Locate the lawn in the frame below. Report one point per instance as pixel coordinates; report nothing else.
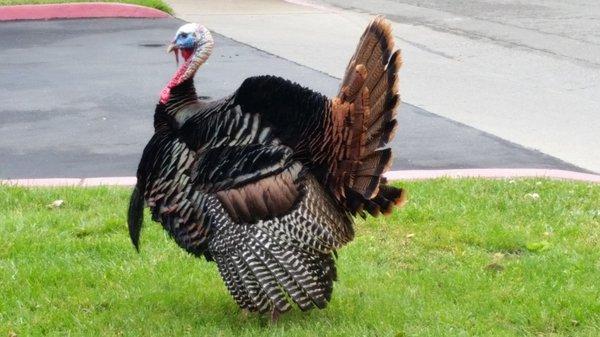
(158, 4)
(463, 258)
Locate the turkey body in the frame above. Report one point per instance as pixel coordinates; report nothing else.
(266, 182)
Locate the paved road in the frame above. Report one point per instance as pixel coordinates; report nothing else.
(525, 71)
(540, 61)
(561, 29)
(78, 97)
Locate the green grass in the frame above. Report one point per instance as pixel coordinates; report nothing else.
(158, 4)
(463, 258)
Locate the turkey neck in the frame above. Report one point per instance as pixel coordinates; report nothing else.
(187, 70)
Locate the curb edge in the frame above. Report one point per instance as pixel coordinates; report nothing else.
(391, 175)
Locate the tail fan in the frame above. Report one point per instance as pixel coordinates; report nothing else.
(364, 121)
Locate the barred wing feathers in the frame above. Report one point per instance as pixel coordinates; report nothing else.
(264, 263)
(245, 202)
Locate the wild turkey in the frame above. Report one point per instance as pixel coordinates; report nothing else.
(266, 182)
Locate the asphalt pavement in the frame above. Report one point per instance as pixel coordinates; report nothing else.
(525, 71)
(77, 100)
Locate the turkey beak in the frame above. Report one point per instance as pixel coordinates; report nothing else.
(173, 48)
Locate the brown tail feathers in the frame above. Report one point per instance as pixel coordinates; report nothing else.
(364, 116)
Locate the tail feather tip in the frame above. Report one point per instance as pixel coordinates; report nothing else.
(402, 198)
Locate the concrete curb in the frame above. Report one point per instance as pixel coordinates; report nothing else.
(392, 175)
(81, 10)
(493, 173)
(75, 182)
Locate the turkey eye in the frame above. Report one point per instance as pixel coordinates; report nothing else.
(183, 35)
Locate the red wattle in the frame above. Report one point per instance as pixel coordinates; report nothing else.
(178, 77)
(175, 81)
(164, 95)
(186, 53)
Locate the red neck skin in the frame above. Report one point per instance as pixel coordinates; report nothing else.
(178, 77)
